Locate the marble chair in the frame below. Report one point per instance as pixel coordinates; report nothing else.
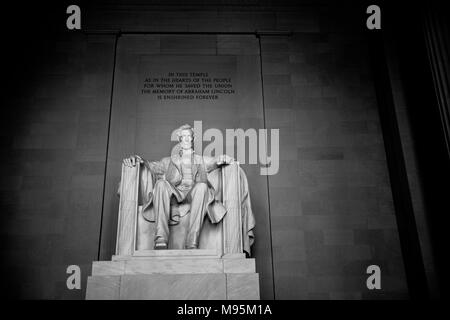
(233, 234)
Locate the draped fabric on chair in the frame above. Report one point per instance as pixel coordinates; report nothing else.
(230, 185)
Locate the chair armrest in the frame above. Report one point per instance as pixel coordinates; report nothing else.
(232, 221)
(128, 208)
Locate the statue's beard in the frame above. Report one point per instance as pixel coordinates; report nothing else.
(185, 146)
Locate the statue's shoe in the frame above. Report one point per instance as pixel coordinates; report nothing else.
(191, 247)
(160, 246)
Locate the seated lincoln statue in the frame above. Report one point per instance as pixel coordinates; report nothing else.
(184, 179)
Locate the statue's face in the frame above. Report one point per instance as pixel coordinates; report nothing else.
(186, 139)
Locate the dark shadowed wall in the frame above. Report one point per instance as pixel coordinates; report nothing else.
(52, 178)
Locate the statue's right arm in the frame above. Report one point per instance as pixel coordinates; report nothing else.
(158, 168)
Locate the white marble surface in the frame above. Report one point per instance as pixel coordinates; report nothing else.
(108, 268)
(175, 275)
(168, 254)
(243, 286)
(173, 266)
(103, 288)
(239, 265)
(173, 287)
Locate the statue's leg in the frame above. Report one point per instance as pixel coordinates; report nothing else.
(199, 200)
(161, 205)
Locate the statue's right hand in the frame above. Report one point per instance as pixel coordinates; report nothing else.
(132, 160)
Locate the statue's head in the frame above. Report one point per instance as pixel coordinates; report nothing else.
(185, 135)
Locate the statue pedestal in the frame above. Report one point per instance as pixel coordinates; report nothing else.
(174, 275)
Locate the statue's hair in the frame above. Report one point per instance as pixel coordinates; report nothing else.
(184, 127)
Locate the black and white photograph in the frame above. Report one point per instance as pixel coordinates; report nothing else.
(241, 152)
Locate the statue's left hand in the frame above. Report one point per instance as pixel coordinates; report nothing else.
(224, 159)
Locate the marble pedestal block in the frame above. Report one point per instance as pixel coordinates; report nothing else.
(174, 275)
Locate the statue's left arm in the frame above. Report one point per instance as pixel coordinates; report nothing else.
(212, 163)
